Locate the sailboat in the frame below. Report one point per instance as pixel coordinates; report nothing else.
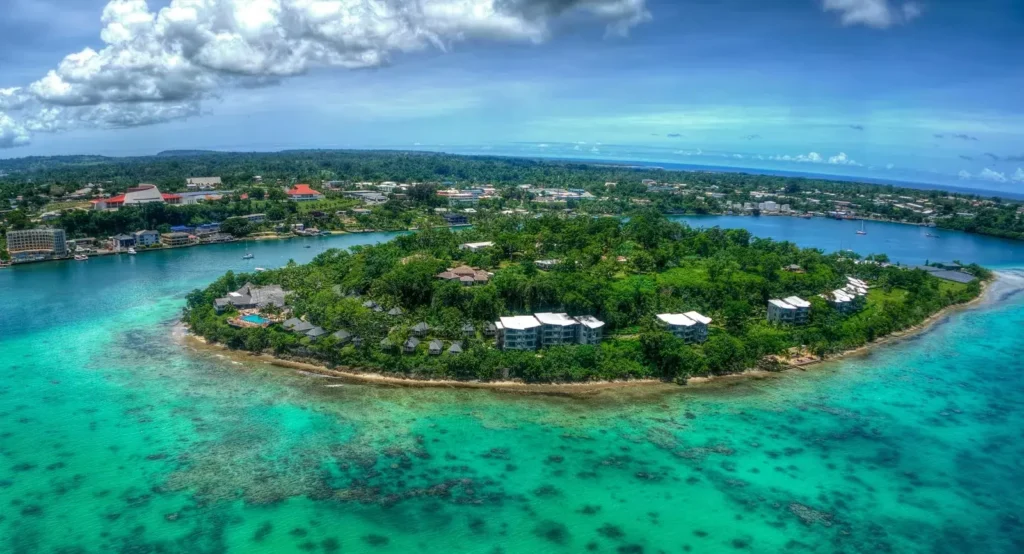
(248, 255)
(862, 231)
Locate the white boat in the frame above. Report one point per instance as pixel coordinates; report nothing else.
(862, 231)
(131, 251)
(81, 257)
(248, 256)
(259, 269)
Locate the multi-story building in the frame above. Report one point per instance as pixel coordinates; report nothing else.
(780, 311)
(146, 238)
(32, 245)
(122, 242)
(136, 196)
(517, 332)
(685, 326)
(175, 239)
(557, 329)
(590, 330)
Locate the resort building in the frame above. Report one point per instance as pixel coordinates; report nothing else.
(176, 239)
(455, 348)
(250, 296)
(546, 265)
(420, 329)
(32, 245)
(793, 310)
(136, 196)
(591, 330)
(435, 347)
(476, 246)
(517, 332)
(557, 329)
(146, 238)
(367, 197)
(303, 193)
(122, 242)
(685, 327)
(466, 275)
(410, 345)
(255, 218)
(456, 219)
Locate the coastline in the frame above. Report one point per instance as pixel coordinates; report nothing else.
(352, 375)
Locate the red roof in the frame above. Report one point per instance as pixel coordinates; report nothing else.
(302, 190)
(169, 196)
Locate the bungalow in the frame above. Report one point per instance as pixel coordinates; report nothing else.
(315, 333)
(146, 238)
(517, 332)
(466, 275)
(468, 329)
(303, 193)
(410, 345)
(435, 348)
(342, 336)
(455, 348)
(490, 330)
(386, 344)
(420, 329)
(395, 312)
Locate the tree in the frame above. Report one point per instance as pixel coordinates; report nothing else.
(236, 226)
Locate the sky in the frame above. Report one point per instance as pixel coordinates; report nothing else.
(908, 90)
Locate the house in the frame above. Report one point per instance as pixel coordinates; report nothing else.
(410, 345)
(146, 238)
(468, 329)
(176, 239)
(136, 196)
(369, 198)
(370, 304)
(386, 344)
(590, 330)
(303, 193)
(490, 330)
(685, 327)
(517, 332)
(122, 242)
(342, 336)
(435, 347)
(557, 329)
(255, 218)
(420, 329)
(476, 246)
(202, 183)
(315, 333)
(546, 265)
(250, 296)
(289, 324)
(455, 348)
(395, 312)
(466, 275)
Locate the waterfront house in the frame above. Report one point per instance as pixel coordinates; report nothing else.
(342, 336)
(476, 246)
(410, 345)
(315, 333)
(455, 348)
(420, 329)
(557, 329)
(435, 347)
(517, 332)
(122, 242)
(590, 330)
(31, 245)
(146, 238)
(176, 239)
(303, 193)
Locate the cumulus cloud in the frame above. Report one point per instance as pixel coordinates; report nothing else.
(816, 158)
(880, 14)
(1018, 176)
(964, 174)
(841, 159)
(11, 133)
(160, 65)
(990, 175)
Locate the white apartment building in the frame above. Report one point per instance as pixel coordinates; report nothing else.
(557, 329)
(685, 326)
(518, 332)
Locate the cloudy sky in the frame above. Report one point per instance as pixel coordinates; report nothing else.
(928, 90)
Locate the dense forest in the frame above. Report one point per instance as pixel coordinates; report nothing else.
(623, 272)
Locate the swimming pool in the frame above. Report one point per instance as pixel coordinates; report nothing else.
(256, 319)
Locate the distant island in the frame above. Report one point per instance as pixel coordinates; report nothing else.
(94, 205)
(556, 299)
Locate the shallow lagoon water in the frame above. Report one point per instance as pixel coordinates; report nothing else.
(116, 438)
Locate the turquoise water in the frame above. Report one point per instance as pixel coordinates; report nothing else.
(255, 319)
(114, 437)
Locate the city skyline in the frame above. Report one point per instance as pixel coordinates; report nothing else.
(909, 91)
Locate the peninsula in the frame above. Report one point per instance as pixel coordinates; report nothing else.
(561, 299)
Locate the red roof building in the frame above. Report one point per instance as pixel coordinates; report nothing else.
(304, 192)
(135, 196)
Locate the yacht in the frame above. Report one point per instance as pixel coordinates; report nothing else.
(248, 256)
(259, 269)
(131, 251)
(81, 257)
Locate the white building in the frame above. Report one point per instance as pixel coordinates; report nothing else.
(518, 332)
(591, 330)
(202, 183)
(685, 326)
(557, 329)
(793, 310)
(476, 246)
(36, 244)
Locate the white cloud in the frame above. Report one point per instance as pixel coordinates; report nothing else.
(189, 50)
(964, 174)
(889, 166)
(11, 133)
(990, 175)
(815, 158)
(1019, 175)
(879, 14)
(595, 150)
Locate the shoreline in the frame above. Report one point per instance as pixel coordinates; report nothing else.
(588, 388)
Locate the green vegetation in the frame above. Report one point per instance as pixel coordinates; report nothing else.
(623, 272)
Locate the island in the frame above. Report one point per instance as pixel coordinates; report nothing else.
(571, 298)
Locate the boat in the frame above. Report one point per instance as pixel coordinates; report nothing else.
(307, 246)
(81, 257)
(131, 251)
(248, 256)
(861, 231)
(259, 269)
(931, 235)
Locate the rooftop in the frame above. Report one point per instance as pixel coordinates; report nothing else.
(797, 302)
(699, 318)
(677, 320)
(519, 322)
(555, 319)
(781, 304)
(590, 322)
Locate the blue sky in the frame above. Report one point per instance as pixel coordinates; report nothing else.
(929, 91)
